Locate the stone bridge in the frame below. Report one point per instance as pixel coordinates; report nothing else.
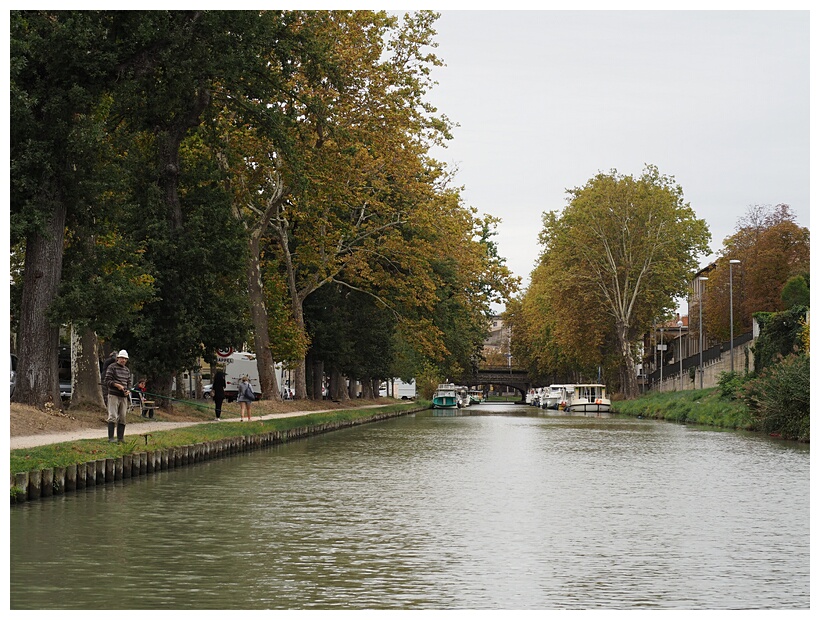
(498, 376)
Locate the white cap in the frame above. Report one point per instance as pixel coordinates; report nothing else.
(123, 353)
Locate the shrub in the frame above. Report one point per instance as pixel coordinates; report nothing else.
(731, 385)
(779, 398)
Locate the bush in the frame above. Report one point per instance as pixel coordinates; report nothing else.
(731, 385)
(781, 334)
(779, 398)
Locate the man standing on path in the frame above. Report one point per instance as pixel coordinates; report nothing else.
(118, 381)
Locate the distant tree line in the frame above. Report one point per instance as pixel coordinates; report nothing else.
(187, 181)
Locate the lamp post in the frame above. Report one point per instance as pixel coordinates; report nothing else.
(661, 347)
(680, 351)
(733, 261)
(701, 279)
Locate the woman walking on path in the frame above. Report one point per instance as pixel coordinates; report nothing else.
(245, 397)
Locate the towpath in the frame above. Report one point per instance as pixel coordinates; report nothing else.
(140, 428)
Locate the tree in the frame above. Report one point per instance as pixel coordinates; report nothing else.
(61, 64)
(772, 249)
(618, 255)
(796, 292)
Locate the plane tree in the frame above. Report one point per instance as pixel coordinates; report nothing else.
(619, 254)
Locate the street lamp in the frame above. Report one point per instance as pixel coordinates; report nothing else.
(733, 261)
(702, 279)
(680, 351)
(661, 348)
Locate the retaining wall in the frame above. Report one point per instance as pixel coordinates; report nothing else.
(744, 364)
(32, 485)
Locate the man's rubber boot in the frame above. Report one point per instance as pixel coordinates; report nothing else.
(120, 433)
(111, 433)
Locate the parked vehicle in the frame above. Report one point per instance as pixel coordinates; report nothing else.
(404, 391)
(237, 365)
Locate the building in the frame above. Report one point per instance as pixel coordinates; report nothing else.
(496, 348)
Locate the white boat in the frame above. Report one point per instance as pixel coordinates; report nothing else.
(556, 394)
(588, 398)
(463, 396)
(476, 397)
(445, 397)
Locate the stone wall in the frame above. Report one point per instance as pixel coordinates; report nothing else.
(744, 363)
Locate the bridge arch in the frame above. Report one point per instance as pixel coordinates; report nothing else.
(502, 376)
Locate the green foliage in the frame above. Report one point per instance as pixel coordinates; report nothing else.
(781, 334)
(614, 260)
(780, 398)
(796, 292)
(707, 407)
(730, 384)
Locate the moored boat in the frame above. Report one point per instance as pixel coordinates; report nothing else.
(556, 394)
(463, 396)
(476, 397)
(588, 398)
(445, 397)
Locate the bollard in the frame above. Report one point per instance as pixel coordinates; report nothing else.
(90, 474)
(126, 466)
(46, 483)
(81, 475)
(34, 481)
(118, 468)
(109, 469)
(59, 480)
(21, 482)
(100, 468)
(71, 478)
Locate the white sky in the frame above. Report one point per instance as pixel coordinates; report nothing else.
(546, 99)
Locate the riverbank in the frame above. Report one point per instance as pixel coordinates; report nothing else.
(706, 407)
(60, 467)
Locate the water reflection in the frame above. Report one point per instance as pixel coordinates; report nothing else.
(504, 508)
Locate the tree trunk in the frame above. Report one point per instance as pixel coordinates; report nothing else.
(318, 371)
(353, 388)
(162, 385)
(338, 389)
(259, 317)
(629, 379)
(367, 389)
(37, 376)
(86, 390)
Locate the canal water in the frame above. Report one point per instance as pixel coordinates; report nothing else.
(503, 508)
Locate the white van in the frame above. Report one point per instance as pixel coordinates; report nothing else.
(238, 364)
(400, 389)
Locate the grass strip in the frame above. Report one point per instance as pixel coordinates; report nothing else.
(82, 451)
(706, 407)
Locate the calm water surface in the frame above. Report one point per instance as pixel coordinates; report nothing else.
(509, 509)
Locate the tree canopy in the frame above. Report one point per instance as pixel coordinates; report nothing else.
(211, 170)
(614, 260)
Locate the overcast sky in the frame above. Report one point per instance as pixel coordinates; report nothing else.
(545, 100)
